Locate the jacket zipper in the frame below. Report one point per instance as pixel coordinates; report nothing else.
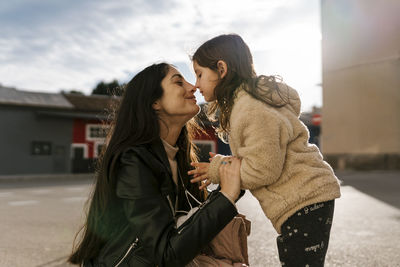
(193, 216)
(171, 206)
(132, 246)
(204, 203)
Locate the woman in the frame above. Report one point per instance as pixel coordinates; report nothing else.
(140, 193)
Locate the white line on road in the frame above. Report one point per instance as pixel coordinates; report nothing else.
(23, 202)
(73, 199)
(6, 194)
(41, 191)
(80, 188)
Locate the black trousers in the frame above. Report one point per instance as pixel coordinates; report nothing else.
(305, 236)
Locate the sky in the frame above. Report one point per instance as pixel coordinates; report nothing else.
(54, 45)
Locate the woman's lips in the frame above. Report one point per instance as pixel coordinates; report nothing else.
(192, 98)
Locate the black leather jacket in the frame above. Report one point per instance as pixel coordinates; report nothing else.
(148, 235)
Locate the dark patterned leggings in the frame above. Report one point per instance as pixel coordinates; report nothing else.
(305, 236)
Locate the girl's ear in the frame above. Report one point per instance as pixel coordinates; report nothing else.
(222, 68)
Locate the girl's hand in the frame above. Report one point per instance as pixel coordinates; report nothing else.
(200, 174)
(212, 154)
(229, 172)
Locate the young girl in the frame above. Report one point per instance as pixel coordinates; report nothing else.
(296, 188)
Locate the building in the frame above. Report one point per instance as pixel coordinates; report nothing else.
(46, 133)
(208, 141)
(34, 139)
(361, 83)
(89, 128)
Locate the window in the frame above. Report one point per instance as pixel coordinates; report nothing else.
(205, 146)
(40, 148)
(96, 132)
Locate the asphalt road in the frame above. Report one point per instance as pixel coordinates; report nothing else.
(39, 220)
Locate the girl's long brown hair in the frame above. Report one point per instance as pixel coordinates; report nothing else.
(231, 49)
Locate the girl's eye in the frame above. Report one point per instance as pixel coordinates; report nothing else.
(199, 75)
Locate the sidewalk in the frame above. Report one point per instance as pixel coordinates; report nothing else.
(365, 230)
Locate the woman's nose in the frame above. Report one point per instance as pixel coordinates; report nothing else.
(192, 88)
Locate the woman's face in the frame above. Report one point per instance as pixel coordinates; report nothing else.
(206, 81)
(178, 102)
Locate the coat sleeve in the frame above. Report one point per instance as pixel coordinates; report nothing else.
(149, 214)
(213, 169)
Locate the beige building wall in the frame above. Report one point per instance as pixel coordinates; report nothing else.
(361, 83)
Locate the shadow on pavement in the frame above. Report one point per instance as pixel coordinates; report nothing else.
(382, 185)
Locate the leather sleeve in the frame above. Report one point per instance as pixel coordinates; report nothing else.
(150, 216)
(241, 194)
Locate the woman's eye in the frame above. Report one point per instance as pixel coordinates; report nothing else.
(180, 83)
(199, 76)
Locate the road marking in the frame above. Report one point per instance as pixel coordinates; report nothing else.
(41, 191)
(23, 202)
(6, 194)
(80, 188)
(73, 199)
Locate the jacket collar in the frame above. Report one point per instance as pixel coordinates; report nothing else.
(158, 150)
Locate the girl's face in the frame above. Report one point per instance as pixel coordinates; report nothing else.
(206, 81)
(178, 103)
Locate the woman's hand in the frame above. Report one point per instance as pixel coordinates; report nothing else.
(229, 173)
(201, 170)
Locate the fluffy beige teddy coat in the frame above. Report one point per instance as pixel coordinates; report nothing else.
(279, 167)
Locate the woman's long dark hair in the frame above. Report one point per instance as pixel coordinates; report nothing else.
(236, 54)
(135, 123)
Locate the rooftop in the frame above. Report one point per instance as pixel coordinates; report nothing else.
(92, 103)
(12, 96)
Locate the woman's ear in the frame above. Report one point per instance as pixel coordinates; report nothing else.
(156, 106)
(222, 68)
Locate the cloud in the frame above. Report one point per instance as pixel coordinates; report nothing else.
(48, 45)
